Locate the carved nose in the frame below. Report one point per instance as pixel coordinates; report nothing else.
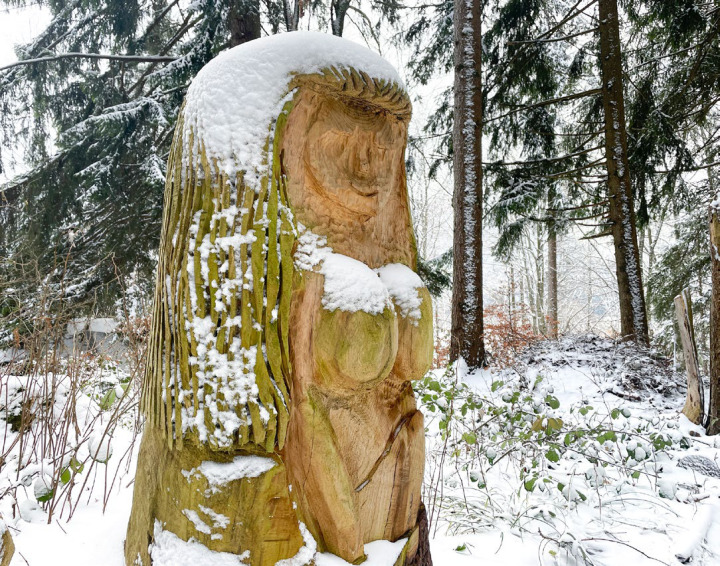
(362, 151)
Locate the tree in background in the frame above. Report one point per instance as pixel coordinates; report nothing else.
(633, 318)
(466, 340)
(95, 97)
(713, 416)
(93, 100)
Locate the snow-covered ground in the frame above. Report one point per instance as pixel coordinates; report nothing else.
(573, 456)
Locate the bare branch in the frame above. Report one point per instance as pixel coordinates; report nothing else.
(554, 39)
(591, 92)
(126, 58)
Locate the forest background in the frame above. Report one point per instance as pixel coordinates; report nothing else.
(89, 108)
(572, 146)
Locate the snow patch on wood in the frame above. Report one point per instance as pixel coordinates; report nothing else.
(218, 474)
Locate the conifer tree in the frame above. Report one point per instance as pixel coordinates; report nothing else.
(621, 216)
(93, 100)
(105, 80)
(466, 340)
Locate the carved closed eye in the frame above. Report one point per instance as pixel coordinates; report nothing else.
(355, 151)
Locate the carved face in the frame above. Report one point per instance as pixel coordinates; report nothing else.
(349, 162)
(345, 171)
(352, 156)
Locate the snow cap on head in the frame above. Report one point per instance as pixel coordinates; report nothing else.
(234, 100)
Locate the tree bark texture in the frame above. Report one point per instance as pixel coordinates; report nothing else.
(695, 400)
(552, 293)
(633, 318)
(467, 339)
(713, 421)
(292, 13)
(338, 9)
(244, 21)
(422, 556)
(540, 315)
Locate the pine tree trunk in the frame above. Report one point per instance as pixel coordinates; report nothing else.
(338, 9)
(244, 21)
(552, 296)
(713, 422)
(467, 340)
(530, 288)
(651, 266)
(633, 320)
(512, 298)
(540, 282)
(589, 294)
(292, 14)
(523, 302)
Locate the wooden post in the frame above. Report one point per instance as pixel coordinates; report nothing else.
(7, 548)
(694, 403)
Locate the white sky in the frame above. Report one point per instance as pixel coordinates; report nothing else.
(19, 25)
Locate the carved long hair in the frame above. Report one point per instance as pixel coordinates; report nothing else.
(218, 367)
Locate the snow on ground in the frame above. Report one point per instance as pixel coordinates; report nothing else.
(617, 494)
(576, 455)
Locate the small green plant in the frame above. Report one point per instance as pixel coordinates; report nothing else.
(518, 431)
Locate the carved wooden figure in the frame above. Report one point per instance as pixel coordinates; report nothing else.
(288, 319)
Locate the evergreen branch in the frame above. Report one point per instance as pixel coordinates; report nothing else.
(598, 163)
(606, 232)
(600, 214)
(554, 39)
(581, 207)
(704, 108)
(365, 17)
(126, 58)
(571, 14)
(714, 30)
(567, 98)
(689, 170)
(665, 56)
(545, 159)
(573, 134)
(186, 26)
(159, 18)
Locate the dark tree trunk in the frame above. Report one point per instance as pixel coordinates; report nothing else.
(633, 319)
(466, 339)
(244, 21)
(338, 9)
(292, 13)
(552, 294)
(713, 419)
(422, 556)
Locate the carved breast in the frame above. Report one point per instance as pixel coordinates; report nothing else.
(355, 349)
(385, 325)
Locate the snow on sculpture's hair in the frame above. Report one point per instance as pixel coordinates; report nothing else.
(218, 369)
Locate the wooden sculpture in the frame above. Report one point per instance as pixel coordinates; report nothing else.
(288, 319)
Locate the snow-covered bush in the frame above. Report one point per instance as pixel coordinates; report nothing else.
(60, 417)
(504, 448)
